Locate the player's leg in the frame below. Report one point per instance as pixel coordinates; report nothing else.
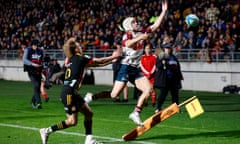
(153, 93)
(136, 93)
(103, 94)
(87, 121)
(88, 114)
(125, 94)
(116, 67)
(119, 84)
(154, 99)
(69, 101)
(70, 121)
(43, 90)
(117, 88)
(143, 85)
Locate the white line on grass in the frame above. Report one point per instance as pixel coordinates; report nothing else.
(109, 139)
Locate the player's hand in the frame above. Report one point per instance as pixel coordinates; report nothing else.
(164, 5)
(144, 36)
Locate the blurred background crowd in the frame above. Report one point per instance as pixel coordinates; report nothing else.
(97, 24)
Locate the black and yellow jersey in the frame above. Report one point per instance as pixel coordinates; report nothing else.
(75, 69)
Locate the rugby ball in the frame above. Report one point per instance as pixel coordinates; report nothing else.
(192, 20)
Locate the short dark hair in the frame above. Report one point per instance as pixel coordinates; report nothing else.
(35, 42)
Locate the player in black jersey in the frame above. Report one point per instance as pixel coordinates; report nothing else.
(73, 102)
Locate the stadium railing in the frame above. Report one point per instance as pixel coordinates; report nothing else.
(185, 55)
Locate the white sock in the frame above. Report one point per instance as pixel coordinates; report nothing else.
(88, 139)
(49, 129)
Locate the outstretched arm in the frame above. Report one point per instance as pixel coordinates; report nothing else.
(160, 18)
(98, 62)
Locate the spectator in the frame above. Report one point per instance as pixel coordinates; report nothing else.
(53, 22)
(32, 60)
(216, 51)
(44, 85)
(54, 67)
(148, 67)
(168, 76)
(212, 13)
(58, 77)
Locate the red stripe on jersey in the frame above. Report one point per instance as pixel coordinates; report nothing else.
(91, 61)
(36, 61)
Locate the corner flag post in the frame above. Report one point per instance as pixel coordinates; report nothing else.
(163, 115)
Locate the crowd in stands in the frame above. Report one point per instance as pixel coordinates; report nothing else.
(97, 23)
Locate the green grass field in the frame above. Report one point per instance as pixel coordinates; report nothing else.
(19, 123)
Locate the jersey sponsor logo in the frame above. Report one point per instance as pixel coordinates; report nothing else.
(36, 56)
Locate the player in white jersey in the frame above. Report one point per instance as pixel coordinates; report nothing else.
(132, 44)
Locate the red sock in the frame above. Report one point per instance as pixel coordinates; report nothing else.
(138, 109)
(153, 97)
(44, 95)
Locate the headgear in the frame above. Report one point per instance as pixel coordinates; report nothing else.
(127, 23)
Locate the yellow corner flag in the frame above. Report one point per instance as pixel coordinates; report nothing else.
(194, 108)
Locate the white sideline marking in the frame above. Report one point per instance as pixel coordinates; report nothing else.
(73, 133)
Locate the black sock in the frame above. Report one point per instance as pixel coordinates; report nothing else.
(103, 94)
(59, 126)
(88, 126)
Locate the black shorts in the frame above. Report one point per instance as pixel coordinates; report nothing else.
(71, 100)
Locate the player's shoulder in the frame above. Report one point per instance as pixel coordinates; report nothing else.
(154, 55)
(128, 33)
